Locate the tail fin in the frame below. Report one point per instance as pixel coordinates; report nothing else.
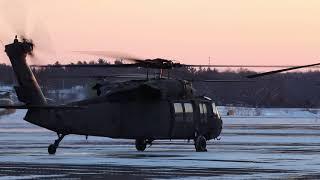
(28, 90)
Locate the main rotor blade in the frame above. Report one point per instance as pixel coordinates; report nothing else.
(281, 70)
(111, 54)
(86, 66)
(222, 81)
(241, 66)
(137, 76)
(140, 65)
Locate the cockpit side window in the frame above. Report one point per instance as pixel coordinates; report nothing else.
(204, 109)
(215, 110)
(203, 112)
(201, 108)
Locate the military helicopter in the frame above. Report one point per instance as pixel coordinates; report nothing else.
(144, 110)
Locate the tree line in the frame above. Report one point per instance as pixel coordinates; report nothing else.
(293, 89)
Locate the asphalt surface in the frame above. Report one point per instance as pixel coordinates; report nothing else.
(247, 150)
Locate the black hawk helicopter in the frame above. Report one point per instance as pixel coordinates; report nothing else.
(144, 110)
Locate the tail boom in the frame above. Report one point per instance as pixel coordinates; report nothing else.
(28, 89)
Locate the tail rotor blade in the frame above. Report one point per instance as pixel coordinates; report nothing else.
(42, 38)
(2, 44)
(15, 13)
(15, 16)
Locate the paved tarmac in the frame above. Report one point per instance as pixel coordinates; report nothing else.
(247, 150)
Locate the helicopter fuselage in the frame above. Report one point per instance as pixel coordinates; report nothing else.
(164, 119)
(144, 110)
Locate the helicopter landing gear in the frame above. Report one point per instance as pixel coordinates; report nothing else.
(141, 144)
(200, 143)
(53, 147)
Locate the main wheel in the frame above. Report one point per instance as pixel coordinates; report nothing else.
(141, 144)
(200, 144)
(52, 149)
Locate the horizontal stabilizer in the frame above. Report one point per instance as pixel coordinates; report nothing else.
(63, 107)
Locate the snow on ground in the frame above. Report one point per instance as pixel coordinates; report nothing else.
(244, 115)
(270, 112)
(279, 143)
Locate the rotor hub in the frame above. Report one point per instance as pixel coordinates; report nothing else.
(17, 48)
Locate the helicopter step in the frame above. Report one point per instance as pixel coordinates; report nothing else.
(53, 147)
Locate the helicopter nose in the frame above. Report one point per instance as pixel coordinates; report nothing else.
(219, 126)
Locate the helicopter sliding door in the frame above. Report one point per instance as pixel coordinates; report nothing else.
(205, 117)
(183, 120)
(189, 123)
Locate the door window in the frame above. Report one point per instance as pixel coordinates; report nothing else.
(178, 110)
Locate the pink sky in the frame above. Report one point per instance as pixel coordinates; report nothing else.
(230, 31)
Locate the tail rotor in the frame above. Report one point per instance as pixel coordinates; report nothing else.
(15, 16)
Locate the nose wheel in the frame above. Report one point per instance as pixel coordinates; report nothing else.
(53, 147)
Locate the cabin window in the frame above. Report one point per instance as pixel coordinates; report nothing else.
(188, 110)
(178, 108)
(201, 108)
(204, 109)
(178, 112)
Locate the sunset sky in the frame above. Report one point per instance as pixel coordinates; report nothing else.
(230, 31)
